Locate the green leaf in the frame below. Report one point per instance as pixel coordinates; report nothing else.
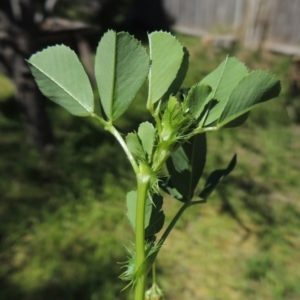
(186, 165)
(167, 57)
(131, 199)
(154, 215)
(222, 81)
(121, 67)
(176, 84)
(61, 77)
(167, 186)
(146, 133)
(255, 88)
(157, 217)
(135, 147)
(215, 177)
(195, 99)
(240, 120)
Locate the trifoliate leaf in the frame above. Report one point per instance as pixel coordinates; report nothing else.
(121, 68)
(61, 77)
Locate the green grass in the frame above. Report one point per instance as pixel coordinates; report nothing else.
(63, 228)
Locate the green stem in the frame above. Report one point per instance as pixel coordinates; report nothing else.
(110, 127)
(143, 181)
(121, 141)
(99, 119)
(158, 123)
(153, 274)
(155, 115)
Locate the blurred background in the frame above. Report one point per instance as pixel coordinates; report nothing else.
(63, 180)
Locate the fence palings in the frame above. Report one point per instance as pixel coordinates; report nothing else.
(274, 24)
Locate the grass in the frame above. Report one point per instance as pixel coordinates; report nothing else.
(63, 228)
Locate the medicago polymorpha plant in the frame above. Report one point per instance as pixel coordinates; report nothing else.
(177, 135)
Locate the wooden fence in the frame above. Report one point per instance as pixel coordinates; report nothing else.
(272, 24)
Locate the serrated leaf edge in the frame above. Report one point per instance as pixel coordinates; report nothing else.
(68, 92)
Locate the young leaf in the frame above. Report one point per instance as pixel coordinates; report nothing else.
(166, 55)
(186, 165)
(255, 88)
(195, 99)
(121, 67)
(146, 133)
(222, 81)
(215, 177)
(61, 77)
(174, 121)
(135, 147)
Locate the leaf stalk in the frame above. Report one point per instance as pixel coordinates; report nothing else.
(109, 127)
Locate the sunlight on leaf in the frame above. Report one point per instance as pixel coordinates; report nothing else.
(222, 81)
(255, 88)
(121, 67)
(166, 55)
(61, 77)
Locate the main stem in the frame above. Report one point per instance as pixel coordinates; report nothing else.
(142, 189)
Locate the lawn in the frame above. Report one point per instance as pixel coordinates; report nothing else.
(63, 227)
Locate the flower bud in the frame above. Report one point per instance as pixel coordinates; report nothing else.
(154, 293)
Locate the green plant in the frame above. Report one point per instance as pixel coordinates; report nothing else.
(177, 136)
